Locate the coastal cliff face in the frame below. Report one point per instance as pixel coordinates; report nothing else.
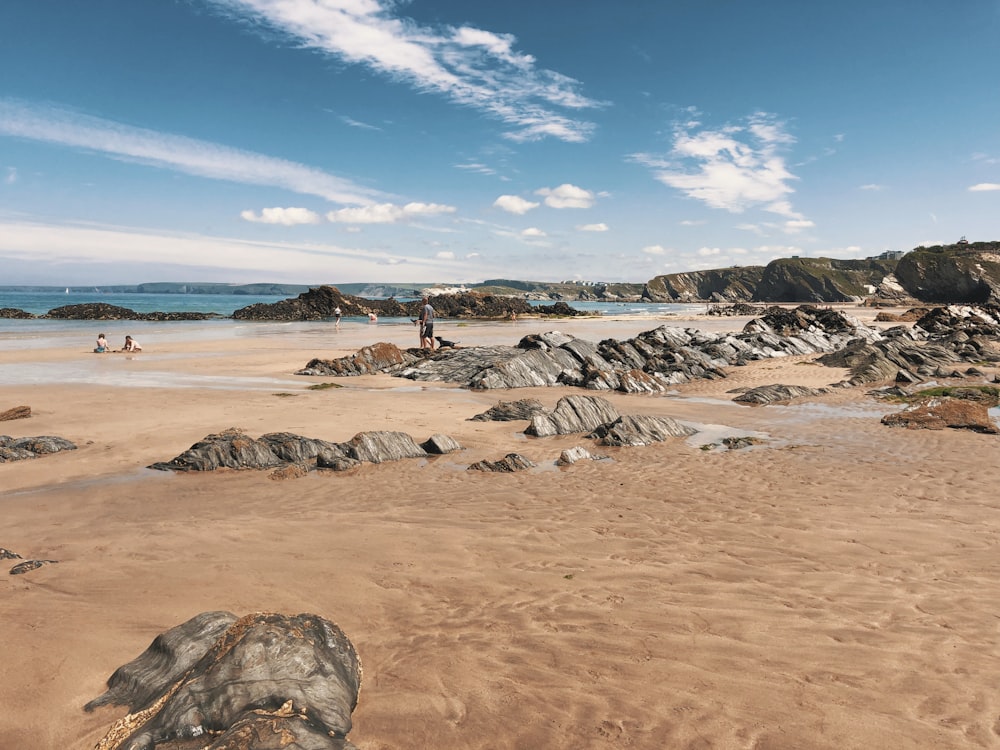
(967, 273)
(716, 285)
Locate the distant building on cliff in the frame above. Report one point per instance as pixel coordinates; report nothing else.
(889, 255)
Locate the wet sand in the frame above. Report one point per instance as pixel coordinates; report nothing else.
(832, 587)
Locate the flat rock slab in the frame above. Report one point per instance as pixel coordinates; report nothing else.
(510, 411)
(20, 449)
(937, 414)
(258, 682)
(777, 394)
(639, 430)
(18, 412)
(510, 463)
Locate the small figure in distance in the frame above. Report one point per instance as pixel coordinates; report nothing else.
(372, 317)
(131, 345)
(336, 314)
(426, 322)
(102, 344)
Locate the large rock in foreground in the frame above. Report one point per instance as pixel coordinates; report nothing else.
(258, 682)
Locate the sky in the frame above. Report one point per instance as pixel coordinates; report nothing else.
(422, 141)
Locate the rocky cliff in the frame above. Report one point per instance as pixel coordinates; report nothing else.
(735, 284)
(967, 273)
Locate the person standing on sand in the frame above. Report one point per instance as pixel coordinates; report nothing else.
(336, 314)
(426, 321)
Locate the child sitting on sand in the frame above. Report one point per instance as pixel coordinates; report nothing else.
(102, 344)
(131, 345)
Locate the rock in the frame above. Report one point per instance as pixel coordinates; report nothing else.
(6, 554)
(15, 313)
(290, 471)
(297, 449)
(103, 311)
(230, 449)
(19, 449)
(737, 443)
(638, 430)
(965, 273)
(380, 357)
(378, 447)
(337, 463)
(262, 681)
(440, 444)
(777, 394)
(510, 463)
(29, 565)
(509, 411)
(573, 414)
(572, 455)
(18, 412)
(939, 413)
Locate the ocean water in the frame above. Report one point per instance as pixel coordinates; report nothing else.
(40, 303)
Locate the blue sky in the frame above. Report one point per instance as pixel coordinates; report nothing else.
(326, 141)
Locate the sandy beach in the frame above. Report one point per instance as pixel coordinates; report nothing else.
(834, 586)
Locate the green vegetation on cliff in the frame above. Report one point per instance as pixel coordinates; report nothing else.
(963, 272)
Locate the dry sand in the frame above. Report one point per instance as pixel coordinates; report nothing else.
(833, 587)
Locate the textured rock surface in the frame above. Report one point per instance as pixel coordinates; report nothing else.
(234, 449)
(968, 273)
(510, 411)
(15, 313)
(19, 449)
(510, 463)
(939, 413)
(29, 565)
(440, 444)
(573, 414)
(638, 430)
(104, 311)
(777, 394)
(254, 683)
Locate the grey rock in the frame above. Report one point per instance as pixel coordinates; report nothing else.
(229, 449)
(509, 411)
(380, 446)
(777, 394)
(336, 462)
(265, 681)
(29, 565)
(440, 444)
(6, 554)
(510, 463)
(638, 430)
(573, 414)
(575, 454)
(20, 449)
(297, 449)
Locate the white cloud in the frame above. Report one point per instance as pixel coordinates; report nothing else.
(476, 167)
(706, 252)
(533, 232)
(872, 186)
(601, 227)
(357, 123)
(692, 222)
(287, 216)
(984, 187)
(733, 168)
(387, 213)
(514, 204)
(797, 225)
(445, 255)
(654, 250)
(472, 67)
(179, 153)
(11, 177)
(567, 196)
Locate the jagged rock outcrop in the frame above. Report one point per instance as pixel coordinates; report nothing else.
(510, 463)
(380, 357)
(573, 455)
(438, 444)
(20, 449)
(16, 313)
(961, 273)
(259, 682)
(573, 414)
(104, 311)
(777, 394)
(639, 430)
(821, 279)
(736, 309)
(510, 411)
(18, 412)
(234, 449)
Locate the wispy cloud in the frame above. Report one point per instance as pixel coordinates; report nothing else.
(472, 67)
(872, 186)
(285, 216)
(11, 177)
(476, 167)
(533, 232)
(734, 168)
(387, 213)
(601, 227)
(984, 187)
(567, 196)
(175, 152)
(514, 204)
(357, 123)
(654, 250)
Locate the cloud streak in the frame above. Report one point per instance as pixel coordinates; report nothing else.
(388, 213)
(175, 152)
(472, 67)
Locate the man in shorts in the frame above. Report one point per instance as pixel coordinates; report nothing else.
(426, 322)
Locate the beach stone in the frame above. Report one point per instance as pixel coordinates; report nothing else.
(336, 462)
(291, 471)
(20, 449)
(573, 414)
(639, 430)
(510, 463)
(29, 565)
(440, 444)
(777, 394)
(737, 443)
(380, 446)
(572, 455)
(18, 412)
(939, 413)
(6, 554)
(509, 411)
(262, 681)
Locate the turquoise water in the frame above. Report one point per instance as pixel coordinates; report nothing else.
(39, 303)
